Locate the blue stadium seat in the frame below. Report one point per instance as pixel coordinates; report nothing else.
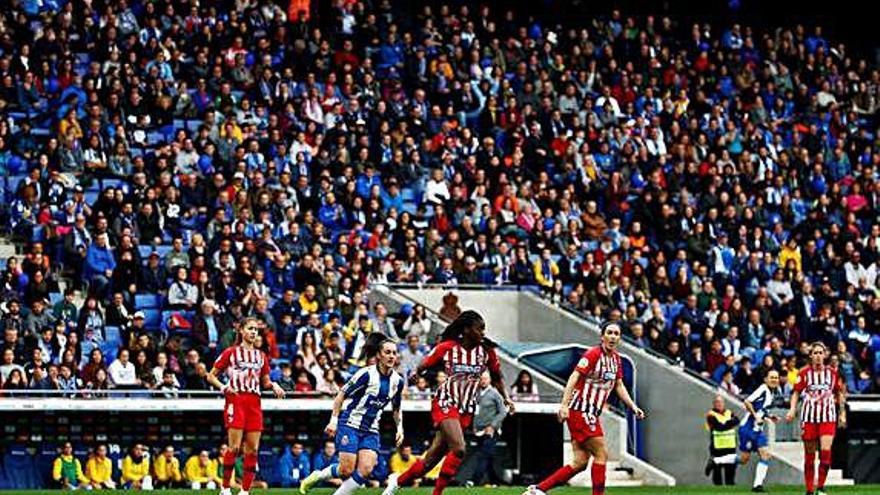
(55, 298)
(112, 336)
(487, 276)
(91, 197)
(19, 466)
(152, 319)
(147, 301)
(144, 251)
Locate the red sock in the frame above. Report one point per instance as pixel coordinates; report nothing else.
(824, 467)
(450, 466)
(810, 471)
(250, 471)
(414, 472)
(228, 467)
(597, 472)
(561, 475)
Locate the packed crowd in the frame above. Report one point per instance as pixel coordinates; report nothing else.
(711, 185)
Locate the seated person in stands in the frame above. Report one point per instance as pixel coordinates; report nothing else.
(136, 470)
(99, 470)
(201, 472)
(67, 471)
(167, 470)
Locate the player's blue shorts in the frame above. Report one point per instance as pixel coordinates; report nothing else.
(352, 440)
(751, 440)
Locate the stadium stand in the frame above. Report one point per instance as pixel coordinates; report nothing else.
(711, 186)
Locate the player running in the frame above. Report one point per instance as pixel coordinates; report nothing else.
(752, 437)
(357, 428)
(246, 368)
(823, 393)
(465, 354)
(597, 374)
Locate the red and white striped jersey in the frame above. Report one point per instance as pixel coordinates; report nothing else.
(463, 369)
(599, 372)
(818, 388)
(244, 368)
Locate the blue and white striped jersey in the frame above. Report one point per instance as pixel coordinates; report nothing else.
(367, 393)
(762, 401)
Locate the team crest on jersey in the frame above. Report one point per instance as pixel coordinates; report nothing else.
(344, 440)
(583, 363)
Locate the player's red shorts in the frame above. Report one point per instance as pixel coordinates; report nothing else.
(243, 412)
(812, 431)
(583, 426)
(438, 414)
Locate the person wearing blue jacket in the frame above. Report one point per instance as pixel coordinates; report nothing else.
(325, 457)
(294, 466)
(100, 264)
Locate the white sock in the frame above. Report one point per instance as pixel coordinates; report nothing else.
(327, 472)
(243, 492)
(725, 459)
(761, 472)
(348, 487)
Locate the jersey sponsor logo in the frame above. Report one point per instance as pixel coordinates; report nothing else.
(819, 387)
(243, 365)
(609, 375)
(467, 369)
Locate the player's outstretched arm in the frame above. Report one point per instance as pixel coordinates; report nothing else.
(276, 389)
(573, 380)
(792, 410)
(398, 422)
(498, 383)
(330, 429)
(623, 393)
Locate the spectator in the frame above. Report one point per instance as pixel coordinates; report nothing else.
(167, 470)
(294, 466)
(491, 412)
(136, 470)
(67, 471)
(122, 372)
(524, 388)
(99, 265)
(99, 470)
(201, 472)
(324, 457)
(402, 460)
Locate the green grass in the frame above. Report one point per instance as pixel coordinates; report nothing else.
(688, 490)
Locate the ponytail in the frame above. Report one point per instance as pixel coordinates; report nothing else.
(373, 345)
(455, 330)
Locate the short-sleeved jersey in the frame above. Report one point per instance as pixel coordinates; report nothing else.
(818, 388)
(463, 369)
(367, 393)
(761, 400)
(243, 367)
(599, 372)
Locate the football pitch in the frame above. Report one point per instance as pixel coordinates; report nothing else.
(675, 490)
